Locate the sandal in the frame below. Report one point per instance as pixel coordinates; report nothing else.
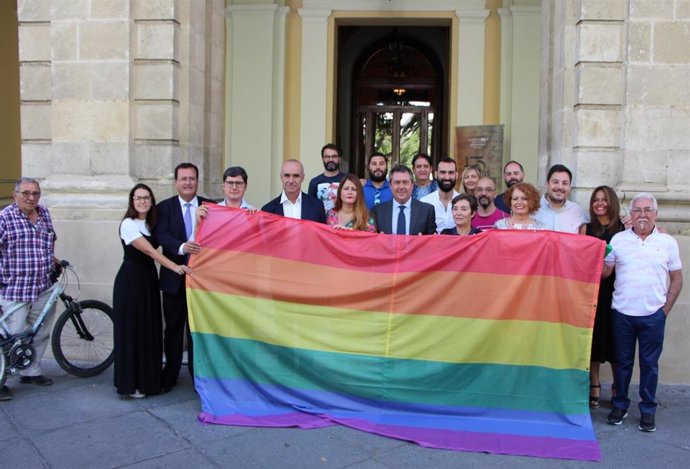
(594, 400)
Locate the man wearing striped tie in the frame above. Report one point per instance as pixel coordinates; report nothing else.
(175, 232)
(377, 190)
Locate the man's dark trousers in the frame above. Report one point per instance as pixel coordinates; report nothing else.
(649, 332)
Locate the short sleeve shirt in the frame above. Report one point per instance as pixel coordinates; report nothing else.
(642, 268)
(26, 253)
(132, 229)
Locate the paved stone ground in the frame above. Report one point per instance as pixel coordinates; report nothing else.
(82, 423)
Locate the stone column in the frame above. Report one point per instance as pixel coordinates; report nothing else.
(75, 66)
(520, 67)
(111, 96)
(314, 77)
(615, 101)
(470, 66)
(656, 117)
(254, 94)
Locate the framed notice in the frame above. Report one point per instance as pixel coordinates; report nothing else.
(480, 146)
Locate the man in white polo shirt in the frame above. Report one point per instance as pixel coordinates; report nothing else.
(644, 260)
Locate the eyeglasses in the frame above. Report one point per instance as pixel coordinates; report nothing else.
(187, 179)
(141, 198)
(234, 183)
(646, 210)
(330, 157)
(27, 194)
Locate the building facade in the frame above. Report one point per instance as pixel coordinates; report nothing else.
(116, 92)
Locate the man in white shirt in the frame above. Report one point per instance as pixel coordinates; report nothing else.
(175, 233)
(292, 202)
(556, 211)
(446, 175)
(648, 282)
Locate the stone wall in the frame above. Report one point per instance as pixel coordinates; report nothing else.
(615, 109)
(113, 93)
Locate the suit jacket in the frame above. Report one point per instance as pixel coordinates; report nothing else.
(312, 208)
(170, 233)
(423, 218)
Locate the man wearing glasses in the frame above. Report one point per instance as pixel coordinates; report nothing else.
(648, 282)
(234, 188)
(325, 186)
(175, 232)
(27, 246)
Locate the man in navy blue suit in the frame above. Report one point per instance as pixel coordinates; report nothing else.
(175, 232)
(292, 202)
(403, 215)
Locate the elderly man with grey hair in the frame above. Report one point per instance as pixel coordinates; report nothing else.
(648, 282)
(27, 242)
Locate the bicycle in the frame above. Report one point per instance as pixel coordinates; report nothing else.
(81, 340)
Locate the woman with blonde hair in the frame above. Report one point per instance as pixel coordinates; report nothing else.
(470, 178)
(350, 211)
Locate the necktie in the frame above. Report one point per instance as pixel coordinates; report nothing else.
(188, 219)
(377, 197)
(401, 221)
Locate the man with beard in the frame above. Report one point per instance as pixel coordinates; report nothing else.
(403, 215)
(556, 211)
(487, 212)
(377, 190)
(446, 175)
(325, 186)
(512, 174)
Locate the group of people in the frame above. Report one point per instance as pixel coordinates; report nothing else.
(642, 273)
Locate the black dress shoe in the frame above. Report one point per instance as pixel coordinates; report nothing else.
(39, 380)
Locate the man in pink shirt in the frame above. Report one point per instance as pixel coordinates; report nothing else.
(487, 212)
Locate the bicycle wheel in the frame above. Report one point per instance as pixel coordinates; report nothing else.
(3, 368)
(83, 340)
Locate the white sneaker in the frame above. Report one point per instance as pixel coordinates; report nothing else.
(137, 395)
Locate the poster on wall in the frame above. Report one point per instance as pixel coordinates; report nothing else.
(480, 146)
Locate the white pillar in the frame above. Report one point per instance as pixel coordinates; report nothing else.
(520, 72)
(313, 97)
(470, 60)
(253, 87)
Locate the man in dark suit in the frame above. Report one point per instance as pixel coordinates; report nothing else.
(292, 202)
(414, 218)
(175, 232)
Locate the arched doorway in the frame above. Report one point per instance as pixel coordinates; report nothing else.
(392, 88)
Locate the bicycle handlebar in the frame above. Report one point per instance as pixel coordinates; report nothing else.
(57, 271)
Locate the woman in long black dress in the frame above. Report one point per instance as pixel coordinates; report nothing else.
(604, 213)
(136, 300)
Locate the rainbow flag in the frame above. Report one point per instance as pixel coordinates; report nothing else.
(476, 343)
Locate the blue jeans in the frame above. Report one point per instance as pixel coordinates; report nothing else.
(648, 331)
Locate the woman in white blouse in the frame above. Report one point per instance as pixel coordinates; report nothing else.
(136, 300)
